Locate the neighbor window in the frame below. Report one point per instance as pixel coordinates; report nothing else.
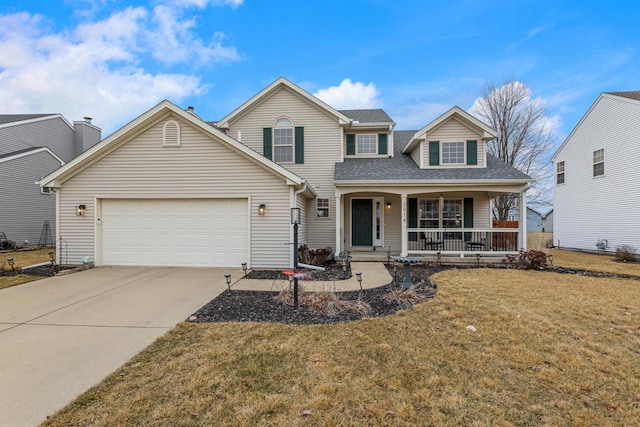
(367, 144)
(598, 162)
(560, 173)
(44, 190)
(283, 141)
(453, 153)
(322, 208)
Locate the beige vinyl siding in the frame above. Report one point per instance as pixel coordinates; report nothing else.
(453, 130)
(415, 154)
(199, 168)
(322, 149)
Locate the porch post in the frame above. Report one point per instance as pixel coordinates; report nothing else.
(523, 220)
(403, 228)
(339, 223)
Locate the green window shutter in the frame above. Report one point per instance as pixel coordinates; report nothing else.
(299, 142)
(434, 153)
(382, 143)
(413, 218)
(472, 152)
(267, 144)
(351, 144)
(468, 216)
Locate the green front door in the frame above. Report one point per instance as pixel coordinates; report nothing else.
(361, 222)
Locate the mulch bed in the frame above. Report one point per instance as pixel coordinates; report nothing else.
(260, 306)
(331, 273)
(45, 271)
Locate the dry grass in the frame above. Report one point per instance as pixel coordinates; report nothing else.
(549, 349)
(21, 259)
(592, 262)
(329, 303)
(25, 258)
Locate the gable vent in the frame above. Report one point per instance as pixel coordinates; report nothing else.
(171, 134)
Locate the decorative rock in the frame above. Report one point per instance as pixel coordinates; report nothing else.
(391, 413)
(306, 412)
(192, 318)
(471, 328)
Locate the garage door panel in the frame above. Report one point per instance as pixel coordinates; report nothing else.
(175, 232)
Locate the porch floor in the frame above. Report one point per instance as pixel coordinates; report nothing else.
(446, 259)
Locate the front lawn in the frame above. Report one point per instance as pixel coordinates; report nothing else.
(21, 259)
(548, 348)
(592, 262)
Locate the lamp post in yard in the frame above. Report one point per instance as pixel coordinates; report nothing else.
(295, 220)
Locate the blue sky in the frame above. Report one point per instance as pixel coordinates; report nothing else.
(113, 60)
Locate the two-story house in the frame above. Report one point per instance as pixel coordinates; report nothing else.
(172, 189)
(32, 146)
(597, 191)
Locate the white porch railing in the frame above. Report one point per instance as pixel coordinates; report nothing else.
(421, 240)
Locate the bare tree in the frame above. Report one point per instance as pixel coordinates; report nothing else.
(525, 136)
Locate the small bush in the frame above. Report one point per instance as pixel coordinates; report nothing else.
(625, 253)
(311, 256)
(528, 260)
(329, 303)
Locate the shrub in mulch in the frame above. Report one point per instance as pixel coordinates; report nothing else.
(528, 260)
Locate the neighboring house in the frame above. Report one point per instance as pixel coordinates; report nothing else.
(547, 222)
(534, 221)
(171, 189)
(597, 190)
(32, 146)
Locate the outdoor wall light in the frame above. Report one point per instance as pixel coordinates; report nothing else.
(262, 209)
(228, 279)
(295, 216)
(244, 268)
(81, 210)
(388, 206)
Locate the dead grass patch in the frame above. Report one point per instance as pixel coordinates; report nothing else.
(548, 349)
(25, 258)
(592, 262)
(18, 279)
(407, 297)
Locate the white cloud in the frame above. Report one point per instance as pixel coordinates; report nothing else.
(99, 69)
(204, 3)
(350, 95)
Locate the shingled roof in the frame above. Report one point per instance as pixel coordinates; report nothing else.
(368, 116)
(635, 94)
(401, 167)
(10, 118)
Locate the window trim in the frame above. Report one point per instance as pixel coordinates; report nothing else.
(327, 208)
(375, 143)
(45, 191)
(291, 128)
(464, 153)
(560, 173)
(441, 218)
(598, 163)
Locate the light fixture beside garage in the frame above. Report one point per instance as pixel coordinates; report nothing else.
(262, 209)
(81, 210)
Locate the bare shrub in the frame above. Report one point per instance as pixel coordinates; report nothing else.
(528, 260)
(625, 253)
(406, 297)
(329, 303)
(313, 256)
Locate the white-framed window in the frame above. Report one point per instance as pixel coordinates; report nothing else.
(367, 144)
(560, 173)
(283, 141)
(171, 134)
(598, 162)
(322, 208)
(452, 153)
(432, 217)
(45, 190)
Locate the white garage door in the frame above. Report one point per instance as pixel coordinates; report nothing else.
(175, 232)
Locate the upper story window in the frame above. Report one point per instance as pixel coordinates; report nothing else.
(452, 153)
(598, 162)
(283, 141)
(367, 144)
(560, 173)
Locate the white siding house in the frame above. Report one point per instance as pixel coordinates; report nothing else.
(597, 190)
(172, 189)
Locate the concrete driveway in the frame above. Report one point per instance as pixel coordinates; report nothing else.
(61, 335)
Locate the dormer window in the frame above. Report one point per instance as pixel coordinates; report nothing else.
(366, 144)
(452, 153)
